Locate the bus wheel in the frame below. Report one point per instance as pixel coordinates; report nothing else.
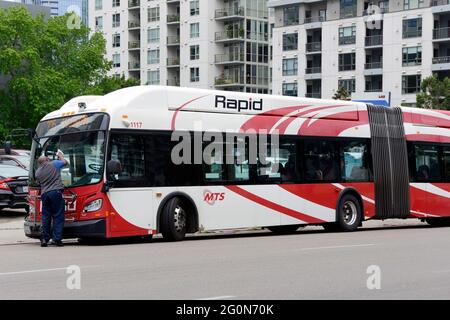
(284, 229)
(349, 213)
(438, 222)
(174, 220)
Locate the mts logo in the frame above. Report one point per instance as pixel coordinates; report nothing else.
(212, 197)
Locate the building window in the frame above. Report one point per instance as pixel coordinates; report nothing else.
(116, 40)
(347, 35)
(412, 28)
(347, 61)
(290, 41)
(195, 52)
(99, 23)
(153, 56)
(116, 60)
(290, 67)
(153, 77)
(195, 8)
(153, 14)
(116, 20)
(348, 84)
(411, 84)
(291, 15)
(348, 9)
(153, 35)
(195, 74)
(115, 3)
(412, 4)
(290, 89)
(195, 30)
(374, 83)
(98, 4)
(412, 56)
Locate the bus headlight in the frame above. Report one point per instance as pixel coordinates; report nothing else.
(93, 206)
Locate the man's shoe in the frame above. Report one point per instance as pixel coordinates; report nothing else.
(44, 243)
(59, 243)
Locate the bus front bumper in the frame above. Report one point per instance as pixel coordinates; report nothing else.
(78, 229)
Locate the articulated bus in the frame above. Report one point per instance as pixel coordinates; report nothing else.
(337, 164)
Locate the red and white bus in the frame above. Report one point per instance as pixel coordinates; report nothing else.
(341, 163)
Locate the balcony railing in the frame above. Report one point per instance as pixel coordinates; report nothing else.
(441, 33)
(316, 95)
(373, 89)
(315, 19)
(230, 12)
(313, 70)
(347, 40)
(348, 12)
(132, 24)
(173, 40)
(408, 90)
(442, 59)
(347, 67)
(134, 3)
(230, 35)
(412, 33)
(435, 3)
(134, 65)
(373, 65)
(225, 80)
(173, 62)
(376, 40)
(134, 44)
(229, 57)
(173, 82)
(412, 62)
(314, 47)
(173, 18)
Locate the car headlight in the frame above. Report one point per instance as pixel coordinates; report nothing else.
(93, 206)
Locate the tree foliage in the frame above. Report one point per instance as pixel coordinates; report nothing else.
(341, 94)
(44, 63)
(435, 93)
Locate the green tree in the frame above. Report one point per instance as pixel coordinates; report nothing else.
(46, 62)
(341, 94)
(435, 93)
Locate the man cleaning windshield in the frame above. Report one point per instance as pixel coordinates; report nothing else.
(48, 175)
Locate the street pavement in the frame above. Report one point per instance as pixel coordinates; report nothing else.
(397, 259)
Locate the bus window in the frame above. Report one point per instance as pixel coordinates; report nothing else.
(320, 161)
(213, 168)
(355, 161)
(269, 168)
(446, 154)
(427, 163)
(239, 166)
(289, 162)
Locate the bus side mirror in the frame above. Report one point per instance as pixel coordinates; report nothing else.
(8, 147)
(113, 167)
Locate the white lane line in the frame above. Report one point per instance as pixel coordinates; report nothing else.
(218, 298)
(35, 271)
(339, 247)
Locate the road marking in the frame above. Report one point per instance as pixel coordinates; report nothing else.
(34, 271)
(218, 298)
(339, 247)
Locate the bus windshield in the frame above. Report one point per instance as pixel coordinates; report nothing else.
(85, 151)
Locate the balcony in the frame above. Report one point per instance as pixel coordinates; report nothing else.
(230, 36)
(173, 40)
(134, 45)
(230, 14)
(229, 81)
(229, 58)
(134, 4)
(173, 82)
(134, 25)
(412, 33)
(314, 19)
(374, 41)
(436, 3)
(172, 1)
(134, 66)
(347, 67)
(313, 70)
(442, 59)
(347, 40)
(373, 65)
(412, 62)
(349, 12)
(316, 95)
(173, 62)
(441, 33)
(173, 19)
(313, 47)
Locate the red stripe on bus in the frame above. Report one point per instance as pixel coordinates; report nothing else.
(181, 107)
(273, 206)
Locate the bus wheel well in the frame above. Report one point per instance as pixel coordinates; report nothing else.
(190, 208)
(354, 193)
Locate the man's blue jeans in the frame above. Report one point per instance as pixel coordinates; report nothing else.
(52, 208)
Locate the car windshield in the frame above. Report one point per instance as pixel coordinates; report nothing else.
(12, 172)
(84, 151)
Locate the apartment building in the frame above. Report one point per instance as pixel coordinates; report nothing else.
(375, 49)
(216, 44)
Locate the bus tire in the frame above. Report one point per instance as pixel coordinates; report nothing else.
(284, 229)
(174, 220)
(438, 222)
(349, 213)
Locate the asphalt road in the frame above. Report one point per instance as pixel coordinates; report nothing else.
(413, 260)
